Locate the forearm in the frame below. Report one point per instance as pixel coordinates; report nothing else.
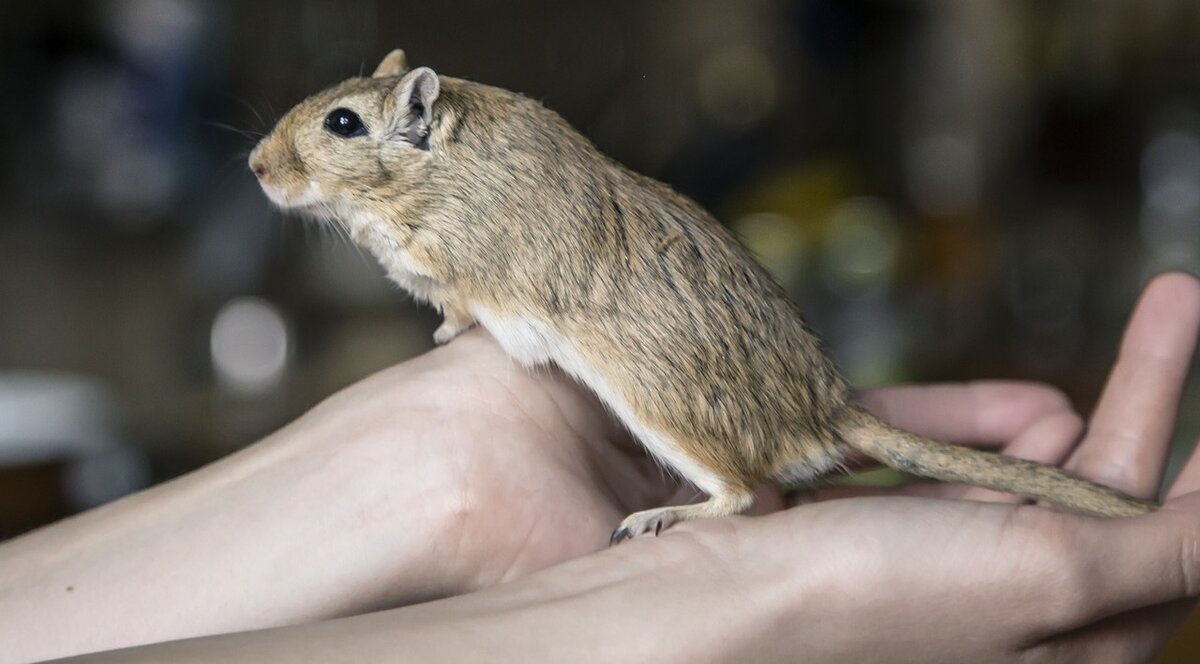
(298, 527)
(686, 598)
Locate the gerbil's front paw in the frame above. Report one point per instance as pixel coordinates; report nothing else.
(447, 331)
(455, 321)
(646, 521)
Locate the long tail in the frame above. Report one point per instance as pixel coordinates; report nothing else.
(952, 463)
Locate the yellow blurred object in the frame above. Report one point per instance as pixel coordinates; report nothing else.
(806, 192)
(778, 242)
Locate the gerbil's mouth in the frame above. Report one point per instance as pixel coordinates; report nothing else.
(310, 199)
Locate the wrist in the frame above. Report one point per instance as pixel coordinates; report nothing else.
(377, 497)
(314, 521)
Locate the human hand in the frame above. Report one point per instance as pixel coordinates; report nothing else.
(895, 578)
(450, 472)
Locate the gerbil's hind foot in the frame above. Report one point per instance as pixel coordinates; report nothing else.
(659, 519)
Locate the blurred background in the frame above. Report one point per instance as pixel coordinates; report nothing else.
(951, 189)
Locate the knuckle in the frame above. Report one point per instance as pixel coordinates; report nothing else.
(1043, 396)
(1063, 579)
(1104, 466)
(1052, 398)
(1071, 420)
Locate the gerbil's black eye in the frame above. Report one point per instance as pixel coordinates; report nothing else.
(345, 123)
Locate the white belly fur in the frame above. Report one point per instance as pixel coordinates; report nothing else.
(395, 259)
(531, 343)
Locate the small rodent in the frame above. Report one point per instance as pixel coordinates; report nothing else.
(489, 206)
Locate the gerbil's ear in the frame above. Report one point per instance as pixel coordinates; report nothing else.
(415, 95)
(394, 64)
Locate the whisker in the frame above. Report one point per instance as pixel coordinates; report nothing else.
(270, 107)
(244, 133)
(263, 125)
(231, 169)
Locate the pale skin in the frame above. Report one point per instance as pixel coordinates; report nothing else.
(457, 471)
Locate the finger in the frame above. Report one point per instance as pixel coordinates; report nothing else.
(978, 413)
(1131, 427)
(1127, 564)
(1049, 441)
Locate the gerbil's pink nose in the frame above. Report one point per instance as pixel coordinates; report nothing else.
(257, 165)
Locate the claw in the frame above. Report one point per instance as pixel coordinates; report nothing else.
(619, 535)
(657, 527)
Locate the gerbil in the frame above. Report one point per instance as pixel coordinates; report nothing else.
(492, 208)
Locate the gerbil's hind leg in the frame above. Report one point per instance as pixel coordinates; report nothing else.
(455, 321)
(725, 504)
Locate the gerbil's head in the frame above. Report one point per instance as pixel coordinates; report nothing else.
(364, 139)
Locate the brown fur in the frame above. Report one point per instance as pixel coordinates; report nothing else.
(510, 210)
